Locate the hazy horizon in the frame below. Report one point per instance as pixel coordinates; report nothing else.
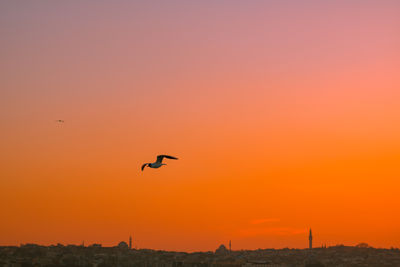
(322, 246)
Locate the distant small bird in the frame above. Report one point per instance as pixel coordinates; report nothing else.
(158, 163)
(61, 121)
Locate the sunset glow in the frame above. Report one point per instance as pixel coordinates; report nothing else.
(285, 116)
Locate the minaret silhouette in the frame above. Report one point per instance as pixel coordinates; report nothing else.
(230, 246)
(130, 242)
(310, 239)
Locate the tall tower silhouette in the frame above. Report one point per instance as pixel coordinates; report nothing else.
(230, 246)
(130, 242)
(310, 239)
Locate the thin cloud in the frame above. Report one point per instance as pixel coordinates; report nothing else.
(265, 220)
(272, 231)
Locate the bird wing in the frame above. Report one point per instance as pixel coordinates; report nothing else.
(160, 158)
(144, 165)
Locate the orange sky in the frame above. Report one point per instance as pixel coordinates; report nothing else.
(284, 116)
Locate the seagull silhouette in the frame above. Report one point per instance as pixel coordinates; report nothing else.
(62, 121)
(158, 163)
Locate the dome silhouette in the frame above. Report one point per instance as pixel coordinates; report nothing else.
(123, 245)
(221, 250)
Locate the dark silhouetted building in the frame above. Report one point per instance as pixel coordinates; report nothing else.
(123, 245)
(310, 239)
(221, 250)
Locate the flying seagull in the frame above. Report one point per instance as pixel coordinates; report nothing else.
(158, 163)
(61, 121)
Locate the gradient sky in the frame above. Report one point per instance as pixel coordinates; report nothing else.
(285, 115)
